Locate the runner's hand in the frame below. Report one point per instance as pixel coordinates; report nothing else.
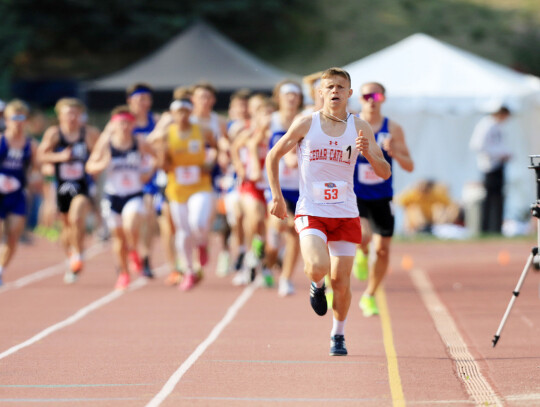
(362, 143)
(278, 208)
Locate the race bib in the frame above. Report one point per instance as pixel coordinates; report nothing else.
(187, 175)
(330, 192)
(367, 176)
(71, 171)
(126, 181)
(8, 184)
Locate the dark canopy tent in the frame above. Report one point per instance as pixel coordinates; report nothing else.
(200, 53)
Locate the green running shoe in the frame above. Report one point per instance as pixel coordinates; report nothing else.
(368, 305)
(360, 267)
(257, 246)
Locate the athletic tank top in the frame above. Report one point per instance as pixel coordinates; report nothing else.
(186, 157)
(212, 123)
(247, 161)
(367, 184)
(288, 177)
(13, 165)
(326, 172)
(146, 130)
(123, 175)
(73, 169)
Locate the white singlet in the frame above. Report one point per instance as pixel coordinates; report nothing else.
(288, 177)
(327, 172)
(211, 123)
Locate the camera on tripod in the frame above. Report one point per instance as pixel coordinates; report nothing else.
(535, 164)
(535, 207)
(534, 258)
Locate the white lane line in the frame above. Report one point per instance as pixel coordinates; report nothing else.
(184, 367)
(59, 268)
(466, 367)
(140, 282)
(527, 321)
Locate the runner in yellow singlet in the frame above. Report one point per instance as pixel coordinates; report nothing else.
(187, 153)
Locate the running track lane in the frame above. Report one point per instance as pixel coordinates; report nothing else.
(273, 351)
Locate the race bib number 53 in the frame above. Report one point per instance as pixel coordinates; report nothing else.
(330, 192)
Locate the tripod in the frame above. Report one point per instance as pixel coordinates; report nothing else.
(535, 210)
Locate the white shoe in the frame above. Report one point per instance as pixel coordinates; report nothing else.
(70, 277)
(240, 278)
(285, 288)
(222, 267)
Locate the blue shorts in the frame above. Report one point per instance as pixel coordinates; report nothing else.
(14, 203)
(290, 195)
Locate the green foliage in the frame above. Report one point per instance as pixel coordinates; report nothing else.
(86, 38)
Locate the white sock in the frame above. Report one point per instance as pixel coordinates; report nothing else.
(319, 284)
(338, 327)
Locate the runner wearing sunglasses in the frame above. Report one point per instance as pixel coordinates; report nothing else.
(374, 194)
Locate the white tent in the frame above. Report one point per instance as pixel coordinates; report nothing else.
(200, 53)
(438, 92)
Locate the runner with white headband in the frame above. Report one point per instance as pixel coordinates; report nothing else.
(187, 153)
(289, 98)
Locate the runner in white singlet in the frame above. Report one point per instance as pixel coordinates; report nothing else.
(326, 214)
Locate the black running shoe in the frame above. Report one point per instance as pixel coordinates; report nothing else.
(239, 261)
(337, 346)
(147, 272)
(317, 298)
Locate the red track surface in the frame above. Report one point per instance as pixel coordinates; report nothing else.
(273, 350)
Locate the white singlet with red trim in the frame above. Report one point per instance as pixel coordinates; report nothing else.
(327, 171)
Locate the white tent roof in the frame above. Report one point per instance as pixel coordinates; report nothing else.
(199, 53)
(438, 76)
(437, 93)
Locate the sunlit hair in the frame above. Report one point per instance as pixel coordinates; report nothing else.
(241, 94)
(275, 92)
(182, 92)
(139, 87)
(123, 109)
(69, 102)
(310, 81)
(383, 90)
(206, 86)
(335, 71)
(16, 106)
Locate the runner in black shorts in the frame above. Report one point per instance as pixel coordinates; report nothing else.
(380, 213)
(67, 147)
(374, 194)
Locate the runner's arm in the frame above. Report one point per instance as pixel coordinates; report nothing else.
(396, 147)
(45, 153)
(239, 142)
(100, 156)
(285, 144)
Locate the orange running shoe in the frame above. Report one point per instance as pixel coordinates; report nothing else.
(173, 278)
(75, 263)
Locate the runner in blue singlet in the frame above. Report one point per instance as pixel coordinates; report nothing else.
(17, 154)
(374, 195)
